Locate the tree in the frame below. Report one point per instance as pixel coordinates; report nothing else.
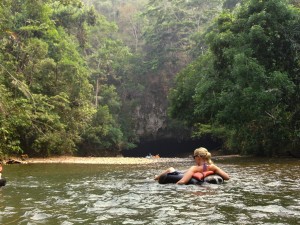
(45, 80)
(168, 36)
(106, 57)
(131, 24)
(250, 93)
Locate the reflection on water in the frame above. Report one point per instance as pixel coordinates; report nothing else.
(259, 192)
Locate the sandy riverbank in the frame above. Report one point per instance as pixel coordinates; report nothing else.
(101, 160)
(105, 160)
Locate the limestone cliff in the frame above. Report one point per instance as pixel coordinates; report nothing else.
(149, 114)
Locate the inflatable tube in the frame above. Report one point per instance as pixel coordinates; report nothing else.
(172, 178)
(2, 182)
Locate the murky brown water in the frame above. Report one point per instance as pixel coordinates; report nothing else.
(260, 191)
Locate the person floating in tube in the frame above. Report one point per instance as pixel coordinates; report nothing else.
(203, 163)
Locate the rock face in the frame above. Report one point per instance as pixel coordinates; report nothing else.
(149, 111)
(150, 115)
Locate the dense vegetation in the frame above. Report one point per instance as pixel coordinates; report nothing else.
(74, 74)
(245, 88)
(55, 60)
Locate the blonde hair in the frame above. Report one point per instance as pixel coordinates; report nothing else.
(204, 154)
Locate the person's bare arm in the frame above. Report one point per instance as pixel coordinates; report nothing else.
(219, 171)
(188, 175)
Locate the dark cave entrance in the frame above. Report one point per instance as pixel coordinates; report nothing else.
(172, 147)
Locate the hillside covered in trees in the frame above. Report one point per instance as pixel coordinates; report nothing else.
(93, 77)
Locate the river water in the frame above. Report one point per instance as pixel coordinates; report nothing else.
(260, 191)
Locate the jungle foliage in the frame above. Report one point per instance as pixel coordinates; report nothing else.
(74, 72)
(245, 88)
(164, 36)
(56, 58)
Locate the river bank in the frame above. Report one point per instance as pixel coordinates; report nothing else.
(94, 160)
(101, 160)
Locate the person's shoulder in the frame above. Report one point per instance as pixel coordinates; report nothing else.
(212, 167)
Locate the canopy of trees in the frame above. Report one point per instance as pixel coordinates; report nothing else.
(79, 76)
(56, 58)
(245, 89)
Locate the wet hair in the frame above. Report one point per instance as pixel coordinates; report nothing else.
(204, 154)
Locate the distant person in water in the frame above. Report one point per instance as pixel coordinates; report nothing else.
(203, 163)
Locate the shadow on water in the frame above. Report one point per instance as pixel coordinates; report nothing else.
(259, 192)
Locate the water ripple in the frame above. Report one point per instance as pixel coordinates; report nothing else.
(128, 195)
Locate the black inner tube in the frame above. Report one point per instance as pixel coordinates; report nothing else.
(2, 182)
(172, 178)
